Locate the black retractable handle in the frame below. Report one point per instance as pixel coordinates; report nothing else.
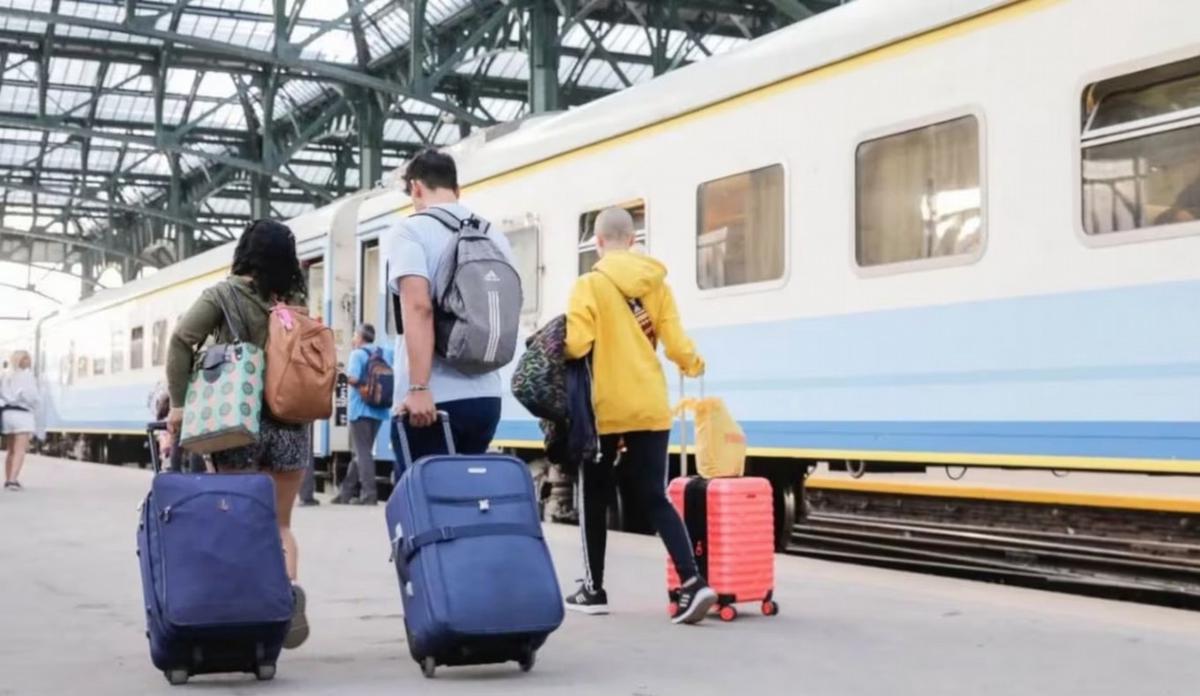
(155, 458)
(406, 452)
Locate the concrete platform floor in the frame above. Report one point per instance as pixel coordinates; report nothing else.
(71, 622)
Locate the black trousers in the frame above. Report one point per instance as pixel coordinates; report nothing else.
(643, 465)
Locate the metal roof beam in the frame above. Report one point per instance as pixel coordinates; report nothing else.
(279, 58)
(55, 125)
(82, 196)
(66, 240)
(794, 9)
(31, 290)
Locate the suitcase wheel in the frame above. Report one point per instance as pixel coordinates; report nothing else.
(428, 667)
(527, 660)
(176, 677)
(770, 608)
(264, 672)
(728, 613)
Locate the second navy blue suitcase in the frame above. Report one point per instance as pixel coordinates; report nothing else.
(216, 591)
(476, 577)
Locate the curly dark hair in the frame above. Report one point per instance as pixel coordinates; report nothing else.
(266, 252)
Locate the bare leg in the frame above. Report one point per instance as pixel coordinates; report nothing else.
(8, 457)
(287, 486)
(17, 445)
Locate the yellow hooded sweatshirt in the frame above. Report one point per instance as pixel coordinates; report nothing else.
(629, 390)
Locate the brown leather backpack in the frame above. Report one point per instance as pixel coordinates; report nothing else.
(301, 366)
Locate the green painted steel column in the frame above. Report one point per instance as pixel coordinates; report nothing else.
(543, 57)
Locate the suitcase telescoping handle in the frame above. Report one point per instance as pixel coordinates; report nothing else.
(683, 422)
(401, 431)
(153, 428)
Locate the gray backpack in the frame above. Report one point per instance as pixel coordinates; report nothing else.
(476, 298)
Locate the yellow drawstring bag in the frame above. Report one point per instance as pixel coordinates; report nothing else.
(720, 442)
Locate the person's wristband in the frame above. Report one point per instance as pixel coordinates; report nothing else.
(418, 388)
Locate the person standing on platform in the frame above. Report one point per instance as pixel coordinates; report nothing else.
(371, 385)
(20, 398)
(617, 314)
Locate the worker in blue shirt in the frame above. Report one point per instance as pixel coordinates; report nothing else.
(365, 419)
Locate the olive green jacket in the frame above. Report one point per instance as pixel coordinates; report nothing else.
(205, 319)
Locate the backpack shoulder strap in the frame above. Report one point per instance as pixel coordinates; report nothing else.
(443, 216)
(223, 302)
(640, 315)
(394, 297)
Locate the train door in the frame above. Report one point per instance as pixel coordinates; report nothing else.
(341, 303)
(314, 271)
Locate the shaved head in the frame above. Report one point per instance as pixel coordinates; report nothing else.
(615, 226)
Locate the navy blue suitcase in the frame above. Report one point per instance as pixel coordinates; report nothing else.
(216, 591)
(476, 577)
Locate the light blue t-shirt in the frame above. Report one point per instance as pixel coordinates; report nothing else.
(357, 408)
(414, 246)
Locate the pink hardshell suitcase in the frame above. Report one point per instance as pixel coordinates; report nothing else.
(732, 527)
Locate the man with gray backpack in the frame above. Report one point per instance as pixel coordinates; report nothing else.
(457, 300)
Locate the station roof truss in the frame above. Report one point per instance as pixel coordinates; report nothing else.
(134, 133)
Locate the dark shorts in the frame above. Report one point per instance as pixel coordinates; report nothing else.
(280, 447)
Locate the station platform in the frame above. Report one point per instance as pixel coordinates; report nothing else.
(71, 620)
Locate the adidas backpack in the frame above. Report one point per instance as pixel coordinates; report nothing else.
(378, 382)
(476, 298)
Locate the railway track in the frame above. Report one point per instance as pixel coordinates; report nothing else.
(1165, 573)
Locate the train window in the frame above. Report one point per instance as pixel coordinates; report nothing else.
(588, 255)
(740, 235)
(117, 363)
(136, 348)
(158, 348)
(527, 258)
(371, 294)
(98, 366)
(918, 194)
(81, 368)
(1141, 149)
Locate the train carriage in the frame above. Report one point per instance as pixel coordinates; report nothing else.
(954, 232)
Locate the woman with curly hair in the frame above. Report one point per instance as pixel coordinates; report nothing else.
(265, 271)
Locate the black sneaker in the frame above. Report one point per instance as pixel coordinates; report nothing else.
(309, 502)
(587, 601)
(297, 631)
(695, 598)
(364, 501)
(12, 486)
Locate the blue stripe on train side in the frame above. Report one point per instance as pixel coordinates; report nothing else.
(1105, 373)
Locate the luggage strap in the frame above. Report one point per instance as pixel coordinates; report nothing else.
(467, 531)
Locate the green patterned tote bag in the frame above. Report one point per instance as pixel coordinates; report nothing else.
(224, 400)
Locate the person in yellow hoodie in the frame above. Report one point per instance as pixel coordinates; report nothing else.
(617, 315)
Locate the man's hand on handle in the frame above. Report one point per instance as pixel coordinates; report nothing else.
(420, 408)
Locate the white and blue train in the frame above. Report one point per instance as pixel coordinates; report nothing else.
(902, 233)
